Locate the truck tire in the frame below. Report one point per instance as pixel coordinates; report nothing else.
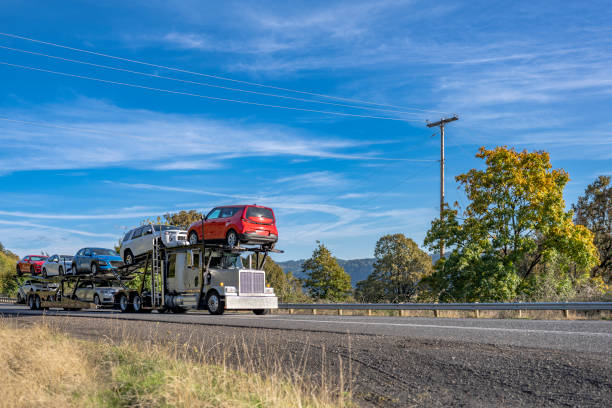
(214, 303)
(137, 303)
(261, 312)
(124, 303)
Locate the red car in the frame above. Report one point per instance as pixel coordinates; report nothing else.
(236, 224)
(31, 264)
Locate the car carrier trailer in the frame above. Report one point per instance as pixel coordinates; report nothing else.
(202, 277)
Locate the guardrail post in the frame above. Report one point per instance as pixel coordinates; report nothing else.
(477, 313)
(290, 311)
(339, 312)
(314, 311)
(520, 314)
(566, 313)
(436, 313)
(369, 312)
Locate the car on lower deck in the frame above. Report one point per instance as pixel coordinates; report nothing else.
(57, 265)
(101, 293)
(139, 241)
(31, 264)
(96, 260)
(236, 224)
(32, 286)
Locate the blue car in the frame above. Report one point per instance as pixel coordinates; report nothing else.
(95, 260)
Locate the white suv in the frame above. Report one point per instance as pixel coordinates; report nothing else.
(139, 241)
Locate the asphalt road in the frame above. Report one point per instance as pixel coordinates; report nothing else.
(386, 361)
(569, 335)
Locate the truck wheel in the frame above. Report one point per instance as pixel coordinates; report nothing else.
(215, 304)
(128, 257)
(231, 239)
(137, 303)
(124, 303)
(193, 238)
(260, 312)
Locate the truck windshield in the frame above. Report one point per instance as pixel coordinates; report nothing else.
(232, 261)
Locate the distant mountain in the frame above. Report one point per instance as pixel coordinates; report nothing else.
(359, 269)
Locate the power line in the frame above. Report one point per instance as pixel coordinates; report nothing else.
(203, 83)
(214, 76)
(205, 96)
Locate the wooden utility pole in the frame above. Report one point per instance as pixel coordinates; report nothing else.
(441, 124)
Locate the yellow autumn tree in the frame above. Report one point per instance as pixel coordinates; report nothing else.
(514, 228)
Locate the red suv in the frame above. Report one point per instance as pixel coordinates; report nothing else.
(235, 224)
(31, 264)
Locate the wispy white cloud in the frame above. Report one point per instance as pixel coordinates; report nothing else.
(52, 228)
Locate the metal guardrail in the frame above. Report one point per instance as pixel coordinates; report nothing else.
(450, 306)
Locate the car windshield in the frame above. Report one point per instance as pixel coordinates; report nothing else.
(259, 212)
(109, 284)
(38, 258)
(103, 251)
(165, 227)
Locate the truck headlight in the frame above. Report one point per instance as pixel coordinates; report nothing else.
(230, 289)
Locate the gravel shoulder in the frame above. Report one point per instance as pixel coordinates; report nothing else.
(389, 371)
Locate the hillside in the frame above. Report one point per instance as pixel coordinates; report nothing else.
(359, 269)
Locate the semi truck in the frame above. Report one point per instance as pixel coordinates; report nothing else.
(202, 277)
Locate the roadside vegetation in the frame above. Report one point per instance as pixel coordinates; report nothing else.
(41, 367)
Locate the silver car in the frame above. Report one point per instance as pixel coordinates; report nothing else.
(57, 265)
(33, 286)
(139, 241)
(101, 293)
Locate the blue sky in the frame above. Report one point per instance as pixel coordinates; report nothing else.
(82, 160)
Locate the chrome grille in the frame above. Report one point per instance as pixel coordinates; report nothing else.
(252, 282)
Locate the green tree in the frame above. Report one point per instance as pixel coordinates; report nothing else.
(514, 225)
(287, 287)
(325, 278)
(182, 219)
(594, 211)
(8, 278)
(399, 266)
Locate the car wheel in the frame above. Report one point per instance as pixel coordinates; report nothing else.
(260, 312)
(44, 272)
(60, 271)
(124, 303)
(231, 239)
(94, 269)
(97, 300)
(137, 303)
(74, 269)
(193, 238)
(128, 257)
(32, 271)
(215, 305)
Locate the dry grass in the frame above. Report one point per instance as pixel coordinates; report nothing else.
(40, 366)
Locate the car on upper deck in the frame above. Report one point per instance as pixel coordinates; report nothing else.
(139, 241)
(31, 264)
(57, 265)
(236, 224)
(95, 260)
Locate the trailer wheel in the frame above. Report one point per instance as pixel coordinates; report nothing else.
(214, 303)
(124, 303)
(37, 302)
(31, 303)
(137, 303)
(260, 312)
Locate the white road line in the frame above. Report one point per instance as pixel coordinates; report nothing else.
(437, 326)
